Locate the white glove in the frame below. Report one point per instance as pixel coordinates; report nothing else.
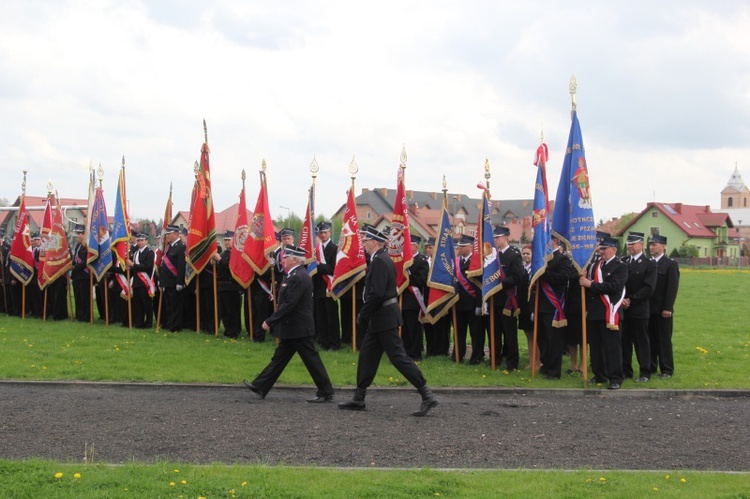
(179, 287)
(478, 311)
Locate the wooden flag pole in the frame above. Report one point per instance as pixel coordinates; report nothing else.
(249, 307)
(197, 304)
(584, 343)
(91, 296)
(44, 309)
(69, 292)
(493, 359)
(216, 302)
(158, 310)
(130, 297)
(354, 318)
(534, 338)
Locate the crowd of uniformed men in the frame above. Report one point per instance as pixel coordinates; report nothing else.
(629, 301)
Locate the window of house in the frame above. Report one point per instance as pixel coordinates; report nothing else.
(730, 201)
(369, 215)
(654, 214)
(654, 231)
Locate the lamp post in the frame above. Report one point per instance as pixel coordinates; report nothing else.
(288, 212)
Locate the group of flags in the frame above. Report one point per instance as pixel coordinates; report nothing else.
(254, 240)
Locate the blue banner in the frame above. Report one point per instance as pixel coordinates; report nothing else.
(573, 219)
(100, 251)
(492, 271)
(541, 223)
(441, 281)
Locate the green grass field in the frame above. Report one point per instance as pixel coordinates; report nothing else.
(712, 351)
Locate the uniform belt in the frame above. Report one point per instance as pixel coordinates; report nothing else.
(389, 301)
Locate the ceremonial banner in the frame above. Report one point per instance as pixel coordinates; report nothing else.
(100, 251)
(350, 259)
(240, 268)
(44, 232)
(573, 219)
(57, 259)
(165, 222)
(21, 256)
(201, 241)
(540, 223)
(121, 223)
(308, 238)
(476, 263)
(261, 240)
(441, 281)
(492, 271)
(399, 243)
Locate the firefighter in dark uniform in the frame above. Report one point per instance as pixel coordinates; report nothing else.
(662, 307)
(605, 289)
(506, 300)
(468, 307)
(230, 291)
(172, 279)
(638, 289)
(141, 264)
(79, 274)
(292, 323)
(380, 319)
(411, 309)
(327, 327)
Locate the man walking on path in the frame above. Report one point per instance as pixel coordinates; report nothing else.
(380, 318)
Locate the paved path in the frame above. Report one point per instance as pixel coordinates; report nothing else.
(564, 429)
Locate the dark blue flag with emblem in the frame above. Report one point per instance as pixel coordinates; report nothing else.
(492, 271)
(441, 281)
(573, 219)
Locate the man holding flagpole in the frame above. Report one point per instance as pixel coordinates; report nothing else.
(326, 308)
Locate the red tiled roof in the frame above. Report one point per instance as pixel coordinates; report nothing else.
(693, 220)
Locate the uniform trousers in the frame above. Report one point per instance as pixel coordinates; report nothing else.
(284, 352)
(326, 312)
(551, 348)
(230, 304)
(506, 326)
(635, 333)
(606, 352)
(82, 295)
(437, 336)
(660, 333)
(388, 342)
(143, 308)
(412, 334)
(172, 312)
(467, 319)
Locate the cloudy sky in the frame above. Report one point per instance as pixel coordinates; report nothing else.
(663, 96)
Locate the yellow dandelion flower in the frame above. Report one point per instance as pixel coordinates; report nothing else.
(44, 368)
(184, 482)
(506, 372)
(244, 483)
(667, 477)
(77, 475)
(602, 479)
(176, 471)
(58, 475)
(171, 484)
(484, 376)
(588, 480)
(683, 480)
(656, 489)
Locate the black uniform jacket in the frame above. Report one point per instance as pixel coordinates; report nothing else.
(173, 274)
(640, 286)
(145, 264)
(294, 316)
(79, 271)
(512, 264)
(418, 273)
(558, 272)
(320, 288)
(380, 287)
(667, 282)
(614, 275)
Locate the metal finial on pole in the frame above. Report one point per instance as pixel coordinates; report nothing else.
(314, 169)
(196, 168)
(123, 161)
(170, 190)
(445, 186)
(50, 187)
(23, 184)
(243, 176)
(100, 174)
(541, 135)
(403, 156)
(573, 87)
(205, 131)
(263, 166)
(353, 169)
(487, 174)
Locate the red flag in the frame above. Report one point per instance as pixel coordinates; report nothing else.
(308, 238)
(261, 240)
(399, 244)
(476, 263)
(241, 270)
(350, 259)
(57, 259)
(201, 244)
(44, 232)
(21, 256)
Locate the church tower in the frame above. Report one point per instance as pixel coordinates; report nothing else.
(735, 194)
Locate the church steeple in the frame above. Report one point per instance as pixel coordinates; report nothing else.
(735, 181)
(735, 194)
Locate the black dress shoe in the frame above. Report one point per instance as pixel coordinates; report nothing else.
(254, 389)
(666, 375)
(613, 386)
(320, 400)
(642, 379)
(352, 405)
